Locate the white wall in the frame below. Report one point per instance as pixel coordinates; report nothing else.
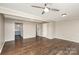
(44, 29)
(49, 30)
(2, 41)
(39, 29)
(68, 30)
(29, 29)
(9, 30)
(65, 29)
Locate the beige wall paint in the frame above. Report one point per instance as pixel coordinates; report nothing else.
(29, 29)
(2, 41)
(68, 30)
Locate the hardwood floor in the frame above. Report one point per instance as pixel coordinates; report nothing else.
(40, 46)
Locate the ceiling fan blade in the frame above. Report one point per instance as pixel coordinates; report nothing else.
(38, 7)
(53, 9)
(45, 4)
(43, 12)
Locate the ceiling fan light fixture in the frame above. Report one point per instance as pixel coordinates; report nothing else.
(64, 14)
(46, 10)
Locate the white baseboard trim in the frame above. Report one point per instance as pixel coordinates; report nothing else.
(2, 47)
(28, 37)
(47, 37)
(67, 39)
(9, 40)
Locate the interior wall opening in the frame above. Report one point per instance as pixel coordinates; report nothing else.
(18, 31)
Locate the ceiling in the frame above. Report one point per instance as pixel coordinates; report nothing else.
(71, 9)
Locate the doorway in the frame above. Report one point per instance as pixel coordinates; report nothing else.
(18, 31)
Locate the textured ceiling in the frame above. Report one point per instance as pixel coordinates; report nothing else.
(71, 9)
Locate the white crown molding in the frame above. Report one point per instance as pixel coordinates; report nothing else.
(9, 11)
(21, 18)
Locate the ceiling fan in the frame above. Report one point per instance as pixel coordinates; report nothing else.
(45, 8)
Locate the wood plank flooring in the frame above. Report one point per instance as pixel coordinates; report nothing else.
(40, 46)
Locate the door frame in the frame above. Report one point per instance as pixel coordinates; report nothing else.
(22, 29)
